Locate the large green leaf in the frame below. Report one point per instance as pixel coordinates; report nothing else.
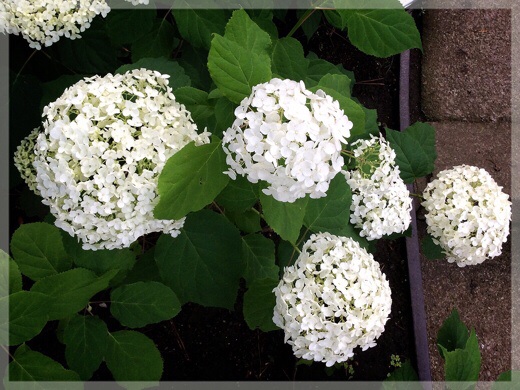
(178, 77)
(338, 82)
(463, 364)
(203, 264)
(27, 316)
(159, 42)
(259, 303)
(190, 180)
(247, 221)
(28, 365)
(10, 276)
(70, 291)
(430, 249)
(240, 59)
(239, 195)
(131, 356)
(52, 90)
(194, 62)
(286, 219)
(201, 108)
(138, 304)
(198, 25)
(100, 261)
(85, 339)
(404, 373)
(145, 269)
(331, 213)
(378, 27)
(415, 150)
(259, 255)
(453, 334)
(120, 24)
(38, 250)
(317, 69)
(288, 60)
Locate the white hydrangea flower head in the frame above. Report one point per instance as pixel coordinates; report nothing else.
(105, 142)
(467, 214)
(43, 22)
(332, 300)
(288, 137)
(381, 203)
(24, 157)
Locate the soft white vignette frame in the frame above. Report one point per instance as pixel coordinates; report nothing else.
(5, 160)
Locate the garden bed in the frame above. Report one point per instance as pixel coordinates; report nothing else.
(205, 343)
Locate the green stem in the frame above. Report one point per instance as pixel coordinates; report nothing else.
(417, 195)
(300, 21)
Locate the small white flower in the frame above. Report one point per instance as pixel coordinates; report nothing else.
(288, 137)
(98, 168)
(332, 300)
(468, 215)
(43, 22)
(24, 157)
(381, 203)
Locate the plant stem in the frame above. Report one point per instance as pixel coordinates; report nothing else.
(417, 195)
(300, 21)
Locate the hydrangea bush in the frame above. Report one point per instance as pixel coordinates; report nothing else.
(467, 214)
(233, 148)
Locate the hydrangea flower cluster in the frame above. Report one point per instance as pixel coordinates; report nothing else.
(24, 157)
(467, 214)
(289, 137)
(333, 299)
(381, 203)
(105, 142)
(43, 22)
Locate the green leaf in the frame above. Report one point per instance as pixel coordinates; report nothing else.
(198, 25)
(317, 69)
(259, 255)
(338, 82)
(196, 102)
(131, 356)
(405, 373)
(159, 42)
(331, 213)
(203, 264)
(286, 219)
(92, 54)
(27, 316)
(453, 334)
(311, 24)
(371, 124)
(145, 269)
(430, 249)
(463, 364)
(178, 77)
(415, 150)
(240, 60)
(238, 195)
(288, 60)
(224, 114)
(85, 339)
(142, 303)
(30, 365)
(38, 250)
(70, 291)
(120, 24)
(235, 70)
(190, 180)
(509, 380)
(10, 276)
(247, 221)
(100, 261)
(259, 303)
(382, 32)
(194, 63)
